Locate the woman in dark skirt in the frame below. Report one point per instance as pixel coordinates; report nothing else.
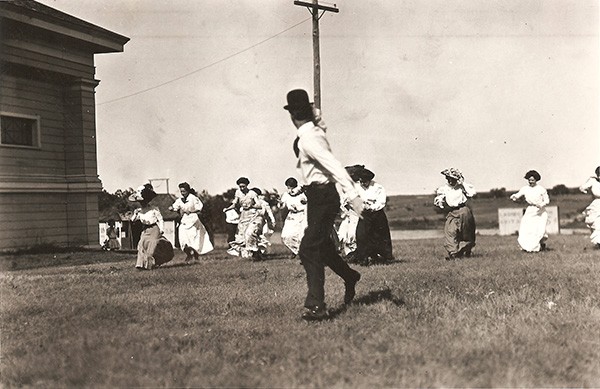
(373, 240)
(153, 248)
(459, 230)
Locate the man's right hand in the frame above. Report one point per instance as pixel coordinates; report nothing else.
(358, 206)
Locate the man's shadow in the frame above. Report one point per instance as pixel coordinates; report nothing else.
(372, 297)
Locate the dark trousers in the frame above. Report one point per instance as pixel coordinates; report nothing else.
(317, 248)
(373, 236)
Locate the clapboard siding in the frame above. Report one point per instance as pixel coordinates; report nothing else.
(34, 106)
(58, 236)
(35, 97)
(48, 218)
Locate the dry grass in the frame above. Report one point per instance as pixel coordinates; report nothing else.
(500, 319)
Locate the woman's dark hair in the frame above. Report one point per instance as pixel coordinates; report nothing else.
(187, 187)
(534, 174)
(291, 182)
(242, 180)
(257, 191)
(148, 193)
(597, 171)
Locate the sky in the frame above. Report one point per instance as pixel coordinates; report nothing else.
(408, 88)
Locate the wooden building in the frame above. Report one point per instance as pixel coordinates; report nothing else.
(49, 181)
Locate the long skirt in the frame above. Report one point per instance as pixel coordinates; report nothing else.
(532, 231)
(153, 249)
(248, 234)
(592, 219)
(347, 233)
(373, 237)
(193, 234)
(293, 230)
(459, 232)
(264, 239)
(113, 244)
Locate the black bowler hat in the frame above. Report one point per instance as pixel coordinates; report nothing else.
(297, 100)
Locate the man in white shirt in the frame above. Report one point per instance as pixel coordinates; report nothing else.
(320, 171)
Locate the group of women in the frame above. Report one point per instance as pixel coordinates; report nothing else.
(153, 248)
(364, 240)
(459, 229)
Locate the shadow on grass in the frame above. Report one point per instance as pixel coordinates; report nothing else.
(373, 297)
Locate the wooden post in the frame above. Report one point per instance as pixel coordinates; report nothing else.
(316, 58)
(314, 8)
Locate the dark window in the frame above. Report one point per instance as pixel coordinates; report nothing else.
(19, 130)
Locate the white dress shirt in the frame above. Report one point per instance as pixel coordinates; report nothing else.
(316, 162)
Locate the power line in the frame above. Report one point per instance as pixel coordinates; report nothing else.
(202, 68)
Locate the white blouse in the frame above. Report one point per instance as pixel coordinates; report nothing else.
(373, 196)
(591, 184)
(454, 196)
(188, 209)
(534, 195)
(294, 203)
(149, 217)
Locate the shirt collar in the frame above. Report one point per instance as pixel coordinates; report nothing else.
(306, 127)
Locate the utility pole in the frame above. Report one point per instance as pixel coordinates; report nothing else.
(314, 9)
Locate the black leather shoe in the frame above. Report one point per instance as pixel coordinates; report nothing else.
(351, 288)
(316, 313)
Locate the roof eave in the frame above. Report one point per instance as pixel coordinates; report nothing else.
(102, 40)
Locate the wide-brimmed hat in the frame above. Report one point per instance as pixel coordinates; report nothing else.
(297, 100)
(353, 170)
(365, 174)
(453, 173)
(144, 192)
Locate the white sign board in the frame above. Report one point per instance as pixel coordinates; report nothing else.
(509, 220)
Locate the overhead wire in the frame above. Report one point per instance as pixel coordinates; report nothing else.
(202, 68)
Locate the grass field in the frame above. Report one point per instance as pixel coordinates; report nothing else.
(502, 318)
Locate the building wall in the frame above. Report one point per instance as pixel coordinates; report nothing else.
(50, 194)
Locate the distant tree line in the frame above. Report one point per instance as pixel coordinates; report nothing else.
(498, 193)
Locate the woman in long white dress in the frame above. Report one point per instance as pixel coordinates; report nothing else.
(246, 240)
(532, 231)
(294, 200)
(193, 237)
(592, 212)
